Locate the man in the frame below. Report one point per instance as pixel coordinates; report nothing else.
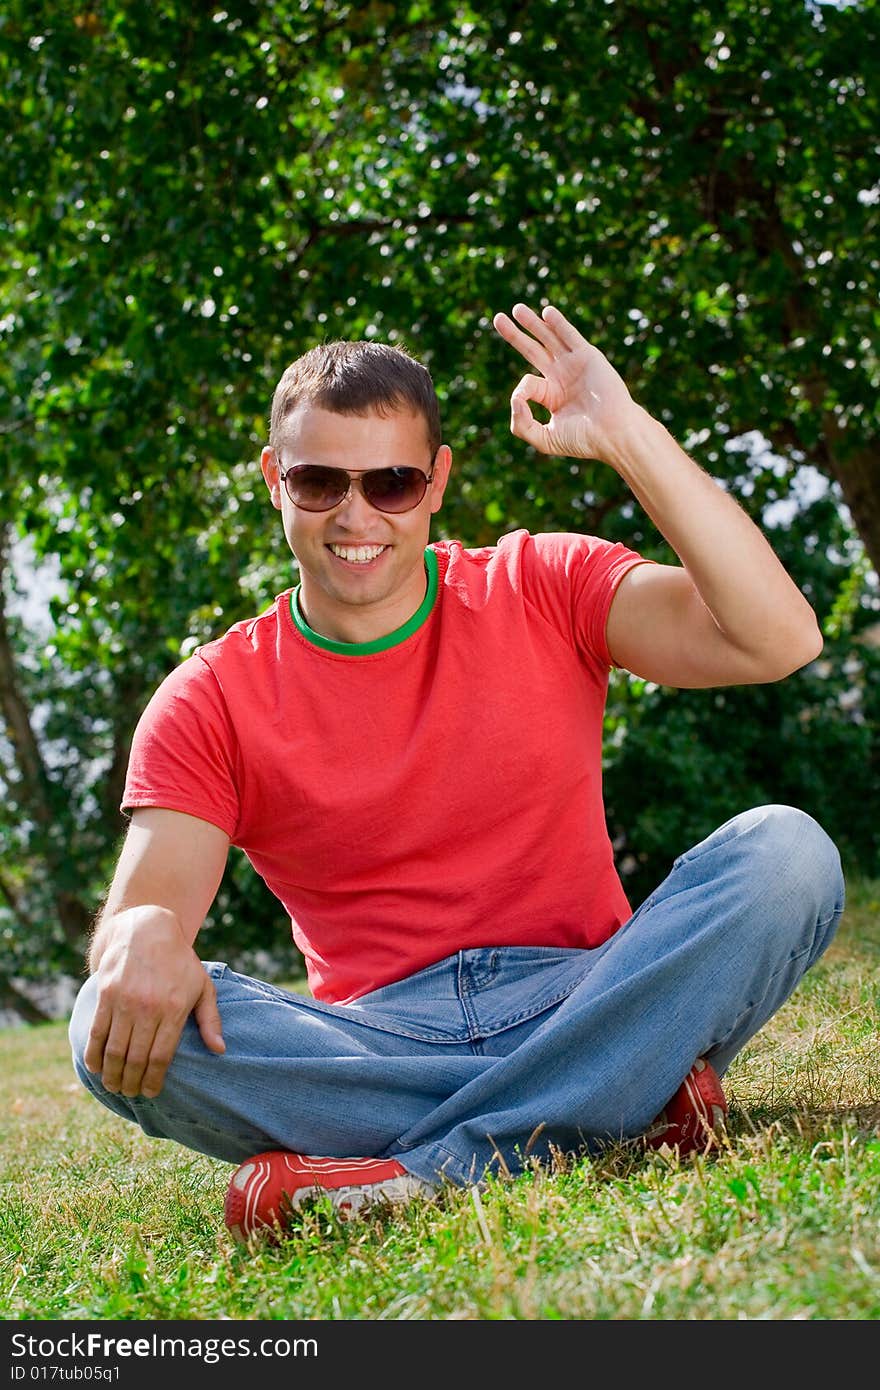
(408, 748)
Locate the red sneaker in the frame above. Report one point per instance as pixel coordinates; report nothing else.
(695, 1117)
(271, 1185)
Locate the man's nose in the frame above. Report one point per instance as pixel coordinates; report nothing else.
(354, 509)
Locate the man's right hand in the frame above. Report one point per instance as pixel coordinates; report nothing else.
(148, 975)
(149, 981)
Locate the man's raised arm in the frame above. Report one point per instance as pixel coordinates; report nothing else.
(148, 975)
(731, 614)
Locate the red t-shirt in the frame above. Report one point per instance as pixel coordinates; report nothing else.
(406, 799)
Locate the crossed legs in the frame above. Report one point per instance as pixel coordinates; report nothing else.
(588, 1046)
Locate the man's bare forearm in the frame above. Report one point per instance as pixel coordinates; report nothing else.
(752, 599)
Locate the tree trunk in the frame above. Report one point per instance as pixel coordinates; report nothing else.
(858, 473)
(32, 797)
(18, 1003)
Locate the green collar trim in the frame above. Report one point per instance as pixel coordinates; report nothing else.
(380, 644)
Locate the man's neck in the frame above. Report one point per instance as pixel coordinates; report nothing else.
(357, 624)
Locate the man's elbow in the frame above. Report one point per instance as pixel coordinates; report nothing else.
(815, 644)
(796, 652)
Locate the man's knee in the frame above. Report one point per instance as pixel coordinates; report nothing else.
(81, 1021)
(780, 852)
(793, 837)
(798, 858)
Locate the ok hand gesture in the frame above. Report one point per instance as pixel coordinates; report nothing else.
(589, 404)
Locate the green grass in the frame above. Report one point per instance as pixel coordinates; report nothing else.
(98, 1222)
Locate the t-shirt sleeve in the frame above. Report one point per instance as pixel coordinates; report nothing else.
(184, 751)
(572, 579)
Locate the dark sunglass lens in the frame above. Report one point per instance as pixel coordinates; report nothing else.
(394, 489)
(317, 489)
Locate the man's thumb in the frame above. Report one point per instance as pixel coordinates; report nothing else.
(208, 1018)
(523, 423)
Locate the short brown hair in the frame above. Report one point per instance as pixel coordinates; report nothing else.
(355, 379)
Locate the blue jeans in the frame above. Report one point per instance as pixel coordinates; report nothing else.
(497, 1056)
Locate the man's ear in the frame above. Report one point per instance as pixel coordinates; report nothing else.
(270, 471)
(442, 467)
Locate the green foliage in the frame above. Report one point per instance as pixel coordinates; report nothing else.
(680, 762)
(691, 759)
(194, 195)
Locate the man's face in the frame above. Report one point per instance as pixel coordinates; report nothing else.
(362, 570)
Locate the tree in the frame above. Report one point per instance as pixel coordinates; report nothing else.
(196, 194)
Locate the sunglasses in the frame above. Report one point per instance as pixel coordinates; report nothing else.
(318, 489)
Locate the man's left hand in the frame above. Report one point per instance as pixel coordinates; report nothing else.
(588, 401)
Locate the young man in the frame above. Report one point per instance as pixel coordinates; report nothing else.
(407, 746)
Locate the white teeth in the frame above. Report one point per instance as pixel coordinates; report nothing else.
(357, 554)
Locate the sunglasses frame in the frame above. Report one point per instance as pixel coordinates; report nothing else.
(357, 476)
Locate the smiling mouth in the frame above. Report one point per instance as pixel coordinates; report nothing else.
(358, 554)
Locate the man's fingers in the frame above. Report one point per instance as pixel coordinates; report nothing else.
(549, 328)
(137, 1056)
(565, 332)
(94, 1052)
(537, 389)
(525, 345)
(161, 1056)
(208, 1018)
(522, 422)
(167, 1039)
(115, 1054)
